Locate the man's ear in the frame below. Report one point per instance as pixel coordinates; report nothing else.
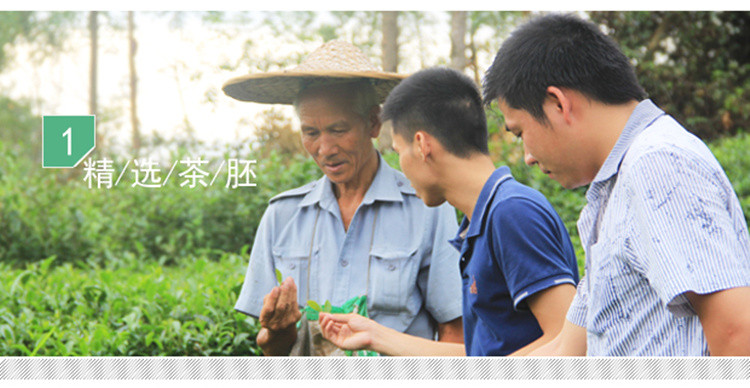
(373, 121)
(423, 144)
(559, 102)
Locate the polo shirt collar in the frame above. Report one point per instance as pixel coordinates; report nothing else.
(384, 187)
(643, 115)
(481, 209)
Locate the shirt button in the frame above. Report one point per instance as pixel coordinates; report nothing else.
(292, 266)
(391, 267)
(399, 183)
(344, 263)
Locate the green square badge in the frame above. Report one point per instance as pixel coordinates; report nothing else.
(66, 140)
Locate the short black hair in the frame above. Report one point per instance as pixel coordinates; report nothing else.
(563, 51)
(444, 103)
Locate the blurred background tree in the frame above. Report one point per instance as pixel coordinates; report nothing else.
(276, 134)
(694, 65)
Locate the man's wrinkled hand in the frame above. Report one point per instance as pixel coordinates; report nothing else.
(280, 309)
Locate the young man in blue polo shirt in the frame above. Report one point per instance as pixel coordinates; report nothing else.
(517, 263)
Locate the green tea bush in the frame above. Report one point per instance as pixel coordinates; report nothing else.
(733, 153)
(130, 307)
(41, 216)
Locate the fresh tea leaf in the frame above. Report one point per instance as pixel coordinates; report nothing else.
(314, 305)
(279, 277)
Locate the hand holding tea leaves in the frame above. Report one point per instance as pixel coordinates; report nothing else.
(280, 309)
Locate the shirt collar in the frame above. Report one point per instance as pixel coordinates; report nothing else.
(481, 208)
(384, 187)
(643, 115)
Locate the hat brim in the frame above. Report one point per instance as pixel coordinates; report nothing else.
(283, 87)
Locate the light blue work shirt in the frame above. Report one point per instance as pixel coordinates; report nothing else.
(395, 251)
(661, 220)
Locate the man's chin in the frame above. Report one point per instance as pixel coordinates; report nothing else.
(569, 185)
(432, 202)
(337, 177)
(337, 181)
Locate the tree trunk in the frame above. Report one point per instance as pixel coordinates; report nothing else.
(133, 83)
(390, 63)
(93, 27)
(474, 61)
(458, 40)
(93, 32)
(390, 41)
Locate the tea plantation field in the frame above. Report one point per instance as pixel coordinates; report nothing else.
(129, 308)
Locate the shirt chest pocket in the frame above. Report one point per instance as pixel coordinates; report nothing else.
(393, 277)
(294, 263)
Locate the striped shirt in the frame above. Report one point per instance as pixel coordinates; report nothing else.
(661, 219)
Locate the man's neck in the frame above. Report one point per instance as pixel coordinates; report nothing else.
(606, 124)
(350, 195)
(357, 187)
(464, 179)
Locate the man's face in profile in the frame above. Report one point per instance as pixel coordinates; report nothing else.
(417, 172)
(546, 145)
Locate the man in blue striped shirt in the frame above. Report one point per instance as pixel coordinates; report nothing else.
(667, 246)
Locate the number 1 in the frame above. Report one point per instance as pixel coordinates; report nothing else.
(70, 136)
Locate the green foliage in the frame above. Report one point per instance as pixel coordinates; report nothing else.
(20, 132)
(694, 65)
(48, 29)
(732, 153)
(41, 216)
(129, 308)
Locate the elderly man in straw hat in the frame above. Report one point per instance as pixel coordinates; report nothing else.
(358, 230)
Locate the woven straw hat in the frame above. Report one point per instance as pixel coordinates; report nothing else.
(334, 62)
